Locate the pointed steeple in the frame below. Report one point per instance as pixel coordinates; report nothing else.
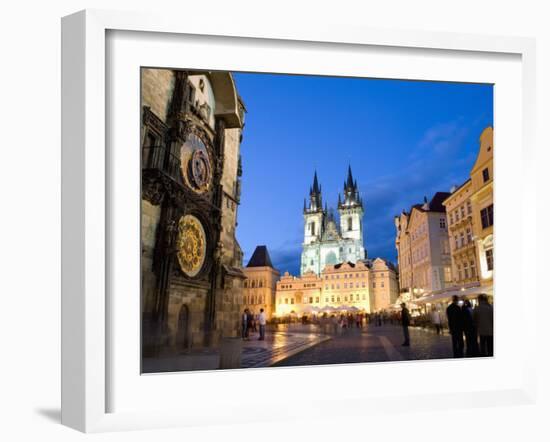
(316, 184)
(315, 200)
(351, 192)
(350, 177)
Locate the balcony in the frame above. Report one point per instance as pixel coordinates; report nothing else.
(161, 159)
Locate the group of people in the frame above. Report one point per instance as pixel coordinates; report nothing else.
(473, 326)
(251, 323)
(471, 329)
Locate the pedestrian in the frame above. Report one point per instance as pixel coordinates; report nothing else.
(483, 320)
(244, 324)
(262, 322)
(469, 329)
(456, 327)
(436, 320)
(405, 322)
(249, 323)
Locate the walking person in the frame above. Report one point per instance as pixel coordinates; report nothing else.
(469, 329)
(262, 322)
(483, 320)
(456, 327)
(436, 320)
(405, 322)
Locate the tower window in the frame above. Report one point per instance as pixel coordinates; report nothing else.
(350, 223)
(485, 175)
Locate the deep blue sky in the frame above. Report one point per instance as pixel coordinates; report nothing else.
(404, 140)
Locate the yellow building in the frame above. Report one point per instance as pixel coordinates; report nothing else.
(364, 286)
(384, 284)
(465, 267)
(261, 280)
(423, 250)
(482, 205)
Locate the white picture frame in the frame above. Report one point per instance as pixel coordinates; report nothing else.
(86, 316)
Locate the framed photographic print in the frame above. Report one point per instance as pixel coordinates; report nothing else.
(312, 210)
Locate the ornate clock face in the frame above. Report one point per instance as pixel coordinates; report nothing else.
(195, 164)
(191, 245)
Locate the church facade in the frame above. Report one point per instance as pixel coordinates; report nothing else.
(327, 241)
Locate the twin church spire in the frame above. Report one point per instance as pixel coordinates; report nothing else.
(351, 196)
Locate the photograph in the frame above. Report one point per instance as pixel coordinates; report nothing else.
(300, 220)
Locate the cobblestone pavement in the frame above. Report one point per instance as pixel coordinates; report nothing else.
(279, 345)
(374, 344)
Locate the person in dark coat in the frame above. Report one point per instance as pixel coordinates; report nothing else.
(483, 320)
(469, 329)
(456, 327)
(405, 322)
(245, 324)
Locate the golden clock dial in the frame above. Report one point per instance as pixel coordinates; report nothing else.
(191, 245)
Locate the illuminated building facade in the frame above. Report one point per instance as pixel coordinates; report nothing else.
(364, 286)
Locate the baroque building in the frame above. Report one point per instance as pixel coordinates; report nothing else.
(260, 283)
(191, 129)
(364, 286)
(327, 242)
(465, 266)
(423, 250)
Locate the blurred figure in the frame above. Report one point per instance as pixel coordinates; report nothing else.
(469, 329)
(483, 320)
(262, 322)
(405, 322)
(245, 323)
(456, 327)
(436, 320)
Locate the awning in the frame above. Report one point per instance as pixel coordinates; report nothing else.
(471, 292)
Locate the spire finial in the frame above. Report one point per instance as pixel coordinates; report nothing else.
(350, 177)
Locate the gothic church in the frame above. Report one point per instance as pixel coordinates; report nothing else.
(327, 242)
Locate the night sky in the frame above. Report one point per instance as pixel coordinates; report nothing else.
(404, 140)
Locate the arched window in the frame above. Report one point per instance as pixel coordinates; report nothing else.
(253, 284)
(350, 223)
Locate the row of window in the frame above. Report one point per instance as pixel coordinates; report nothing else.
(253, 299)
(306, 286)
(347, 275)
(460, 212)
(253, 284)
(348, 298)
(346, 285)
